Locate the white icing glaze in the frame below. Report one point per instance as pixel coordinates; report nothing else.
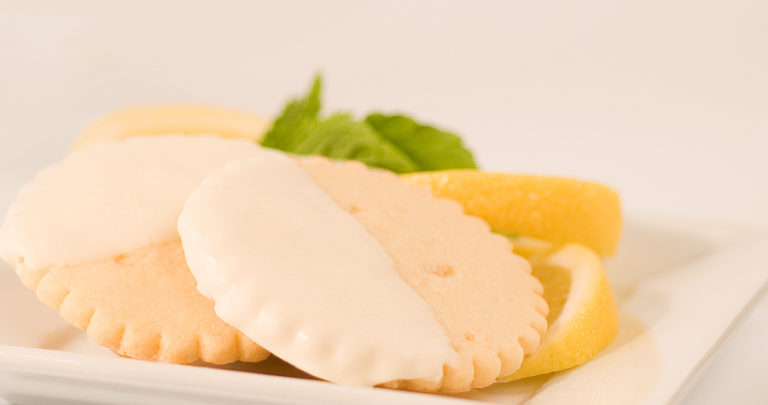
(112, 197)
(303, 278)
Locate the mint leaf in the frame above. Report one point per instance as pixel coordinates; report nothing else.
(341, 137)
(395, 143)
(430, 148)
(289, 129)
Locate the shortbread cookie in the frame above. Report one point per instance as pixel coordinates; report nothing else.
(141, 304)
(484, 296)
(303, 262)
(304, 279)
(95, 237)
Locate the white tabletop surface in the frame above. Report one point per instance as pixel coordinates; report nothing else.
(666, 102)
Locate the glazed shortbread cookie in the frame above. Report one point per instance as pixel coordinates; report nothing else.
(320, 266)
(95, 237)
(484, 296)
(141, 304)
(302, 277)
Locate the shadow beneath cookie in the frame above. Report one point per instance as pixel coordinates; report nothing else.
(59, 339)
(511, 393)
(272, 366)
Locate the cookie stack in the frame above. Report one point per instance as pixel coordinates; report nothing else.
(183, 249)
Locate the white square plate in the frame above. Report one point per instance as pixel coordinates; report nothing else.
(680, 288)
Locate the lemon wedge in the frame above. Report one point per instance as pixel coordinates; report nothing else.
(582, 319)
(174, 119)
(560, 225)
(556, 209)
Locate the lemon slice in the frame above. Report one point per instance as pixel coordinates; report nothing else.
(174, 119)
(556, 209)
(582, 318)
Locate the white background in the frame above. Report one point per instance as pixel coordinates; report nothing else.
(665, 100)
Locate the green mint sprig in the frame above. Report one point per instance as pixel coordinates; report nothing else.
(393, 142)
